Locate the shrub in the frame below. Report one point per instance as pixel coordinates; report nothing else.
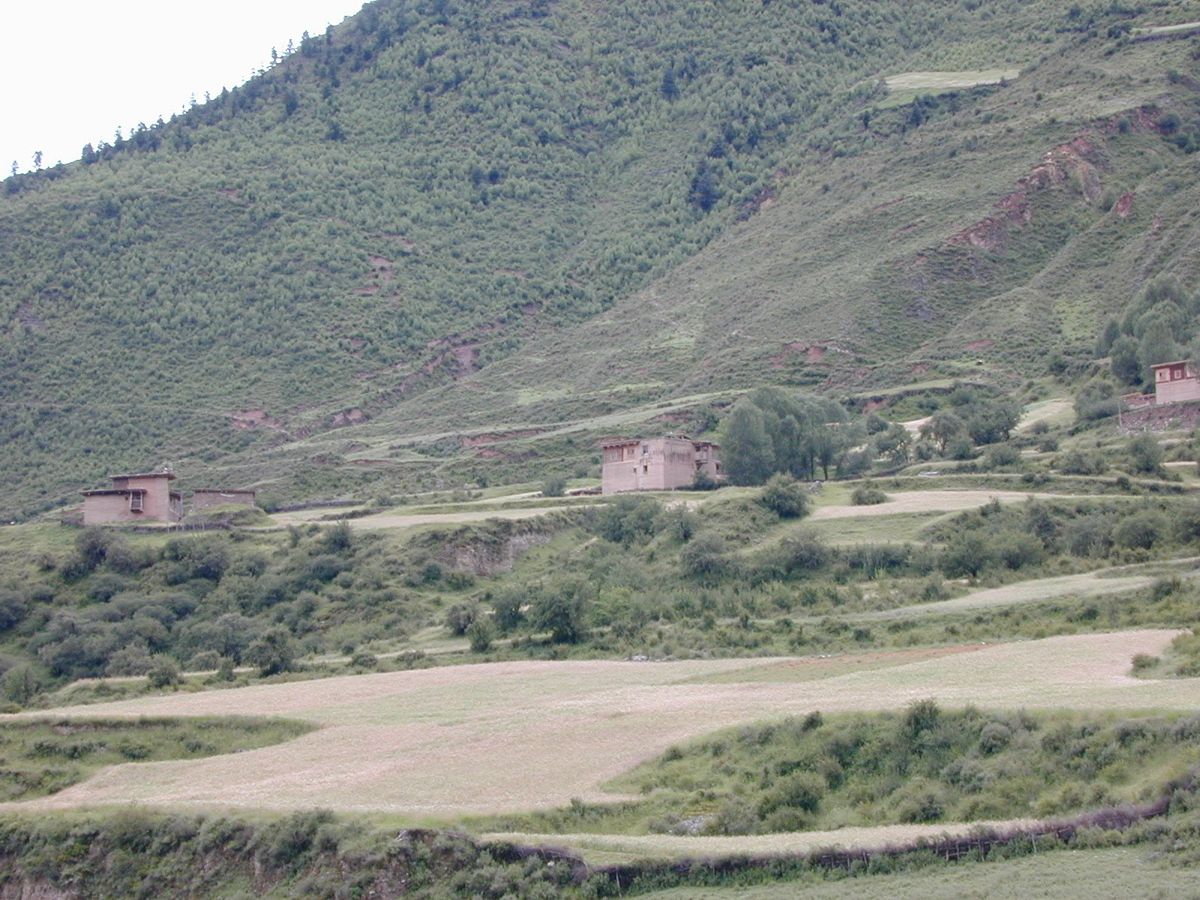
(273, 653)
(705, 557)
(460, 617)
(867, 495)
(506, 609)
(801, 790)
(785, 497)
(562, 609)
(21, 683)
(966, 553)
(1145, 455)
(164, 672)
(1077, 462)
(481, 633)
(363, 659)
(1141, 531)
(1002, 455)
(554, 487)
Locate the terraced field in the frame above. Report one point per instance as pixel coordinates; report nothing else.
(437, 744)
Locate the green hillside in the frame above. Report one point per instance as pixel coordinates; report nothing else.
(447, 218)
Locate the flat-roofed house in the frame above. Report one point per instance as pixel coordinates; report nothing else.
(1175, 382)
(137, 497)
(657, 464)
(207, 498)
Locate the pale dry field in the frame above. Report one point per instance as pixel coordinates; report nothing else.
(441, 743)
(1085, 584)
(948, 81)
(899, 502)
(670, 846)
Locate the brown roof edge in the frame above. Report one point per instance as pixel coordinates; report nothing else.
(98, 491)
(168, 475)
(1178, 362)
(225, 491)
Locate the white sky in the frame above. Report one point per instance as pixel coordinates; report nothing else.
(72, 72)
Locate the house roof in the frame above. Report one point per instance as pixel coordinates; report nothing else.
(223, 491)
(168, 475)
(1178, 362)
(101, 491)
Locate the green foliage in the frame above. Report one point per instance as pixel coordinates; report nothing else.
(867, 494)
(774, 431)
(785, 497)
(274, 652)
(1145, 455)
(923, 764)
(562, 608)
(45, 756)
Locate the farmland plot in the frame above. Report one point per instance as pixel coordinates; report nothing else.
(437, 744)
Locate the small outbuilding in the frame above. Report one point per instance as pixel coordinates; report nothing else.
(137, 497)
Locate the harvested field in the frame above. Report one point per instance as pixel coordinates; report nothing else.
(1086, 584)
(1057, 411)
(441, 743)
(939, 82)
(1064, 875)
(926, 502)
(410, 520)
(668, 846)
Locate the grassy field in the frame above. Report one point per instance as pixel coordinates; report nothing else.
(442, 743)
(1131, 872)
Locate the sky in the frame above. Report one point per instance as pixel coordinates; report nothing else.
(72, 72)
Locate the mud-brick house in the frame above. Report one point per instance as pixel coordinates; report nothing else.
(139, 497)
(657, 464)
(207, 498)
(1175, 382)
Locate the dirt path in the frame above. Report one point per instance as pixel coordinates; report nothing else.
(445, 742)
(927, 502)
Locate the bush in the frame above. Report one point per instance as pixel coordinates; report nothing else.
(867, 495)
(1002, 455)
(705, 557)
(460, 617)
(1145, 455)
(554, 487)
(273, 653)
(785, 497)
(481, 633)
(506, 609)
(1141, 531)
(967, 553)
(801, 790)
(164, 672)
(1077, 462)
(562, 609)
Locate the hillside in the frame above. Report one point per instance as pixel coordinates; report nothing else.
(442, 219)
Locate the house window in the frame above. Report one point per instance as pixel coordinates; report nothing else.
(135, 502)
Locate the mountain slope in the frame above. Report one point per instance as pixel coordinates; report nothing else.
(443, 217)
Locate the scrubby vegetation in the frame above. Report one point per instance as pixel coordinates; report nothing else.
(39, 757)
(923, 765)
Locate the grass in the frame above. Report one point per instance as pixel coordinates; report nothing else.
(903, 88)
(1063, 874)
(43, 756)
(442, 743)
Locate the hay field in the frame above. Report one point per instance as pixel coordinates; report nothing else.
(901, 502)
(940, 82)
(438, 744)
(1126, 872)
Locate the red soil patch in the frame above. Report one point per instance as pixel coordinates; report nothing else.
(1079, 157)
(352, 416)
(981, 344)
(1124, 205)
(250, 419)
